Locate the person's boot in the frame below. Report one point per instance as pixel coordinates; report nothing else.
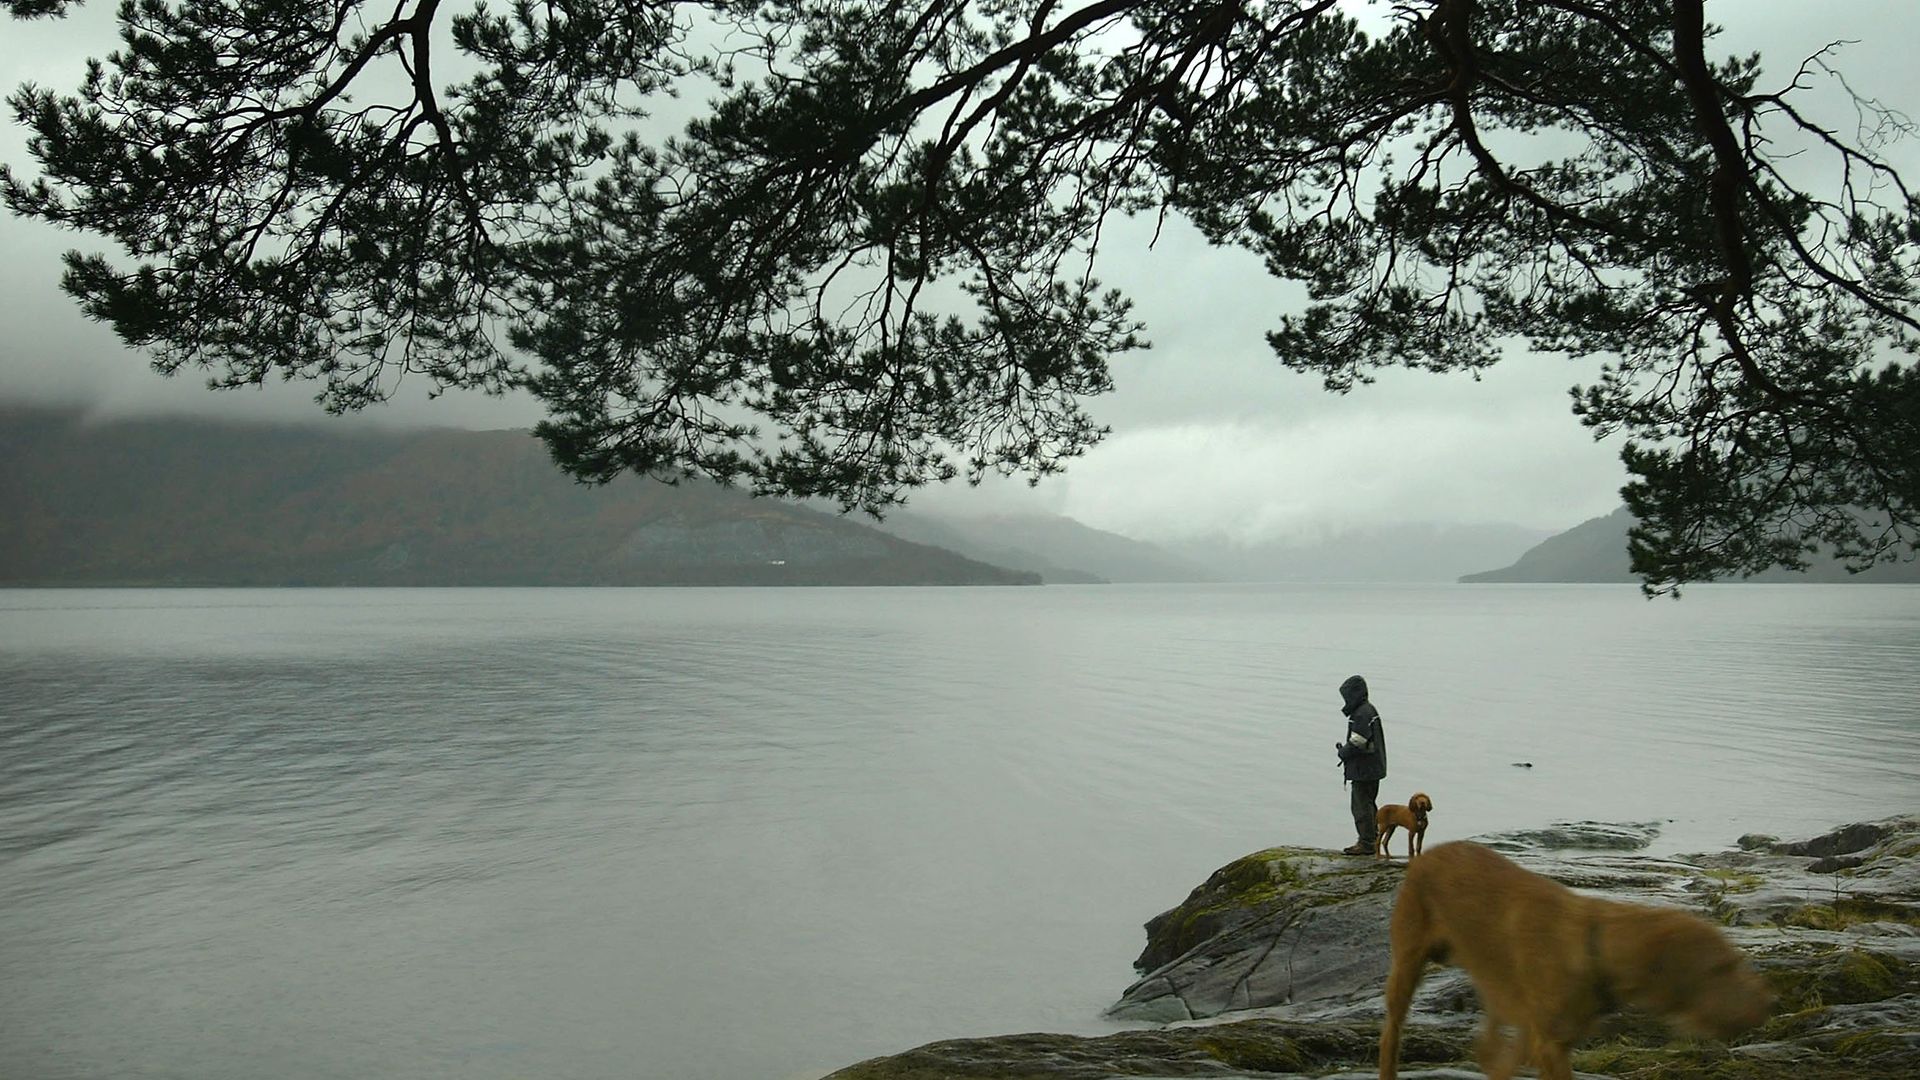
(1359, 847)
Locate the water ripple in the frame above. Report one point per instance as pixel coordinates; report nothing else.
(709, 833)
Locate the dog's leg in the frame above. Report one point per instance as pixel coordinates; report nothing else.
(1380, 846)
(1498, 1050)
(1401, 982)
(1553, 1059)
(1561, 1029)
(1410, 938)
(1417, 840)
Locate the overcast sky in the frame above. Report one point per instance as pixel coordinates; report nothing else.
(1210, 433)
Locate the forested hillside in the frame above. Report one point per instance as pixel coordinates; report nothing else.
(189, 502)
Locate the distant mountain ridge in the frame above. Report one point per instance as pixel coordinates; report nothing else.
(1596, 551)
(1403, 552)
(194, 502)
(1059, 549)
(183, 502)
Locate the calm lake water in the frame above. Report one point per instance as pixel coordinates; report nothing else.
(761, 834)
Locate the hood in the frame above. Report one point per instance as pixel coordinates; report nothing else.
(1354, 693)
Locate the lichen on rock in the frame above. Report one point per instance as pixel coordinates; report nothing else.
(1282, 925)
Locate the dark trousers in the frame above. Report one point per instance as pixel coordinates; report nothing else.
(1365, 794)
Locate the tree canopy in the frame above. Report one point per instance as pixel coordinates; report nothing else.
(869, 262)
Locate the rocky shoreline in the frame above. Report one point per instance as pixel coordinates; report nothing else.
(1272, 968)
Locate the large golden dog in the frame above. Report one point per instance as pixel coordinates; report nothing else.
(1549, 962)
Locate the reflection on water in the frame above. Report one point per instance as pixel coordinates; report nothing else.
(766, 833)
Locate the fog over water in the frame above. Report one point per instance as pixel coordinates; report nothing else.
(752, 834)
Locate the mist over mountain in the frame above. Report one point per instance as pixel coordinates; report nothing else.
(175, 501)
(1408, 552)
(1596, 551)
(1059, 549)
(192, 502)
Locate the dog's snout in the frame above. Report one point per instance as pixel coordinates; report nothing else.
(1750, 1004)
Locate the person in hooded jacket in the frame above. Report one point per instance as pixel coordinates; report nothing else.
(1363, 758)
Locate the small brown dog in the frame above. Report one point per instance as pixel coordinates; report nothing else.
(1411, 817)
(1549, 962)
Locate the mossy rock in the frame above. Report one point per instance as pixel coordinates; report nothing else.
(1789, 1046)
(1862, 976)
(1281, 1047)
(1714, 1062)
(1301, 932)
(1253, 1052)
(1871, 1044)
(1842, 977)
(1718, 885)
(1249, 1047)
(1729, 880)
(1797, 1023)
(1256, 878)
(1850, 911)
(1243, 891)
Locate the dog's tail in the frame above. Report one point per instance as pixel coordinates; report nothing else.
(1412, 941)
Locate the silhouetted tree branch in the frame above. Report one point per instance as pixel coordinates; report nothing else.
(869, 262)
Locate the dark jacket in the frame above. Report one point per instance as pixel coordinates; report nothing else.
(1363, 753)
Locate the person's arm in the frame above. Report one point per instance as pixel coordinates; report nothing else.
(1357, 744)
